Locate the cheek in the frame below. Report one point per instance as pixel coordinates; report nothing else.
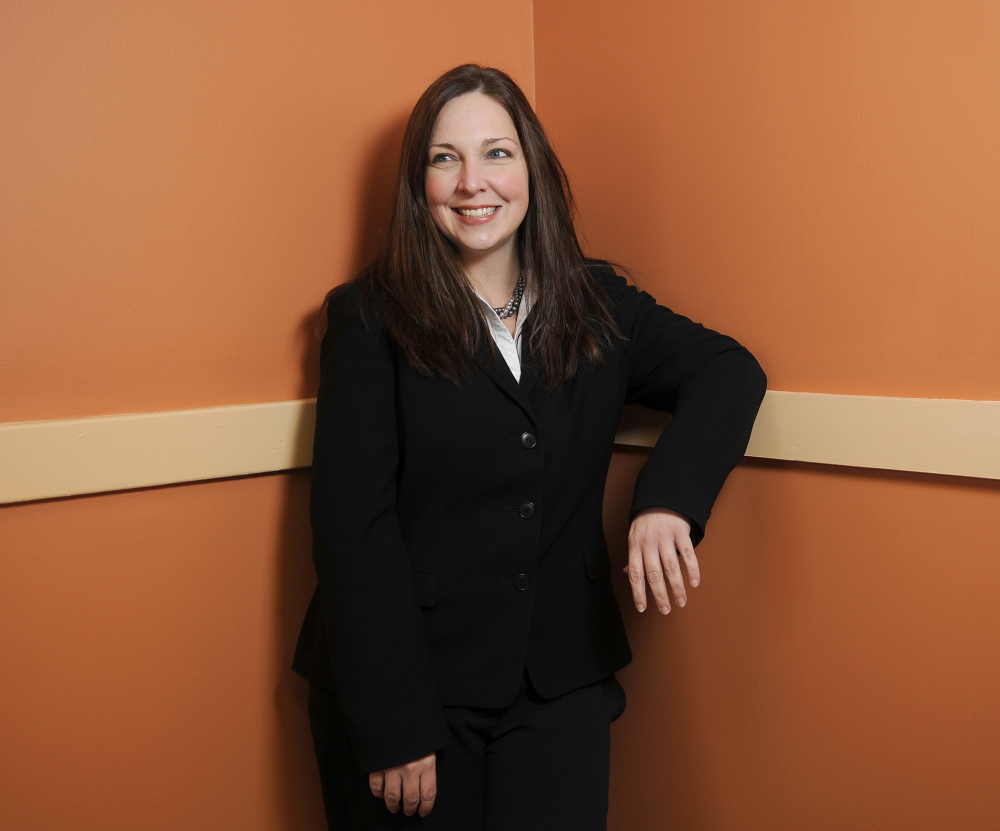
(518, 188)
(435, 191)
(433, 198)
(519, 198)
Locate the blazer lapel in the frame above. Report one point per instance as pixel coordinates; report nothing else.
(529, 366)
(529, 371)
(495, 367)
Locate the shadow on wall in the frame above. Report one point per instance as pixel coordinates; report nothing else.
(296, 780)
(375, 193)
(373, 201)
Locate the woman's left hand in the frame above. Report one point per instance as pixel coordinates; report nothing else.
(412, 787)
(659, 540)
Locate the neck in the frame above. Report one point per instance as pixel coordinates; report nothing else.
(495, 278)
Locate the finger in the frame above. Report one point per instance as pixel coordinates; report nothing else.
(654, 576)
(411, 791)
(636, 575)
(393, 792)
(687, 555)
(376, 781)
(428, 790)
(675, 579)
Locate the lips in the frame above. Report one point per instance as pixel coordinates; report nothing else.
(476, 213)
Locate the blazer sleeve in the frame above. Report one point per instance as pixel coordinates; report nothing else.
(379, 654)
(710, 383)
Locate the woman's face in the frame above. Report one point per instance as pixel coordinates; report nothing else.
(476, 180)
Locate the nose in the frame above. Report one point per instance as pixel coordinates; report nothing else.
(472, 178)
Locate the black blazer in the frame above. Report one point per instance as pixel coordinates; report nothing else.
(457, 529)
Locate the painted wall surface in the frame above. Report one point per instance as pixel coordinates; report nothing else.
(820, 181)
(180, 184)
(836, 669)
(145, 639)
(820, 177)
(182, 181)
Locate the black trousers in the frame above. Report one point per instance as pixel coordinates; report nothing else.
(535, 765)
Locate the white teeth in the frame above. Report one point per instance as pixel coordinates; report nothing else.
(477, 212)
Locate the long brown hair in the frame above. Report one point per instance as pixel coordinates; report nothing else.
(417, 283)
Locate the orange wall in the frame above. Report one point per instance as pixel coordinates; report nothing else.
(837, 668)
(185, 180)
(145, 641)
(822, 177)
(182, 182)
(819, 180)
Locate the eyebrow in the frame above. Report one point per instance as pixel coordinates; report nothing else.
(486, 142)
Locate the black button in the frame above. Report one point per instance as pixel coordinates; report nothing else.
(521, 582)
(528, 440)
(526, 511)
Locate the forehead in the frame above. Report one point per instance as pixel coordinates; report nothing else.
(472, 117)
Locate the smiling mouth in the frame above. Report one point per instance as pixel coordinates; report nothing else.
(476, 213)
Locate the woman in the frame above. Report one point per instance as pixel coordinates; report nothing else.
(463, 640)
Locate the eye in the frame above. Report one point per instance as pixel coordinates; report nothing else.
(441, 158)
(499, 153)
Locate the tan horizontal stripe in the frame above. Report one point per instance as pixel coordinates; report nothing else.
(44, 459)
(924, 435)
(65, 457)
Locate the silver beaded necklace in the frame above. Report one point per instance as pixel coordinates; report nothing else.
(514, 303)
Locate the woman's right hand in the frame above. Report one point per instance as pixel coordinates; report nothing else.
(413, 785)
(658, 542)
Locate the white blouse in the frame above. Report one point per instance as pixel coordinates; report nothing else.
(509, 345)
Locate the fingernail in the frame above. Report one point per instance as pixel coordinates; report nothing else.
(641, 608)
(694, 582)
(664, 610)
(681, 601)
